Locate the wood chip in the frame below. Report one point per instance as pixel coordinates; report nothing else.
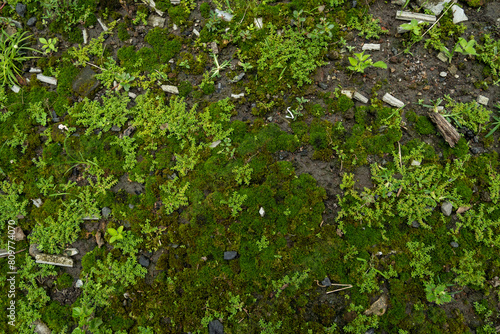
(449, 133)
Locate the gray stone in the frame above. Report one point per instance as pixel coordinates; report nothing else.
(371, 47)
(170, 89)
(454, 244)
(483, 100)
(415, 163)
(55, 260)
(258, 23)
(326, 282)
(115, 128)
(37, 202)
(230, 255)
(415, 224)
(85, 83)
(143, 261)
(215, 327)
(262, 212)
(129, 131)
(214, 144)
(78, 283)
(131, 206)
(71, 251)
(31, 22)
(35, 70)
(389, 99)
(33, 250)
(458, 14)
(196, 32)
(447, 208)
(360, 97)
(16, 89)
(237, 96)
(475, 150)
(323, 85)
(21, 9)
(156, 21)
(40, 328)
(106, 212)
(441, 56)
(19, 234)
(443, 74)
(379, 307)
(435, 6)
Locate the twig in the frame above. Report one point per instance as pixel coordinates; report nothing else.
(346, 286)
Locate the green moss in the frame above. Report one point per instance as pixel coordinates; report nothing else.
(317, 110)
(178, 14)
(411, 116)
(57, 316)
(185, 88)
(123, 34)
(64, 281)
(205, 10)
(424, 126)
(165, 45)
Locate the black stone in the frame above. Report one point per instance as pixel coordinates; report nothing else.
(215, 327)
(21, 9)
(475, 150)
(143, 261)
(231, 255)
(31, 22)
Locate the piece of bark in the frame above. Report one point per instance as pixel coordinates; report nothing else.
(449, 133)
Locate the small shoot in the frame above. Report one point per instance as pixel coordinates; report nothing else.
(49, 45)
(218, 67)
(495, 124)
(115, 234)
(362, 62)
(466, 48)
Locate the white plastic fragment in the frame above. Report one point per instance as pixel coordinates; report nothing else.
(152, 4)
(259, 24)
(103, 26)
(224, 15)
(483, 100)
(237, 96)
(37, 202)
(85, 36)
(361, 98)
(262, 212)
(196, 32)
(389, 99)
(408, 16)
(347, 93)
(170, 89)
(35, 70)
(458, 14)
(214, 144)
(46, 79)
(55, 260)
(175, 2)
(371, 47)
(15, 89)
(132, 95)
(174, 27)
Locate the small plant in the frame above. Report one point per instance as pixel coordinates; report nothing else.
(218, 67)
(466, 48)
(141, 17)
(235, 202)
(495, 124)
(413, 27)
(12, 53)
(362, 62)
(298, 18)
(437, 293)
(185, 64)
(49, 45)
(125, 80)
(115, 234)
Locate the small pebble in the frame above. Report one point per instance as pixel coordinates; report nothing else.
(443, 74)
(454, 244)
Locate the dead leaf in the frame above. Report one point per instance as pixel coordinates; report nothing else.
(462, 209)
(98, 239)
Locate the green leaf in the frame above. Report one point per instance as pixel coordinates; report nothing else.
(120, 229)
(77, 311)
(112, 231)
(380, 64)
(77, 331)
(94, 324)
(113, 239)
(43, 40)
(353, 61)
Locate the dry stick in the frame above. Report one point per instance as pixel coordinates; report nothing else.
(347, 286)
(432, 26)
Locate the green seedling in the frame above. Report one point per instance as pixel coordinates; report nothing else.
(413, 27)
(49, 45)
(12, 54)
(115, 234)
(466, 48)
(124, 79)
(218, 67)
(185, 64)
(362, 62)
(495, 124)
(437, 293)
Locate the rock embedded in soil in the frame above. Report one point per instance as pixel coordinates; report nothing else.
(215, 327)
(144, 261)
(106, 212)
(483, 100)
(361, 98)
(447, 208)
(443, 74)
(21, 9)
(33, 250)
(156, 21)
(237, 96)
(326, 282)
(78, 284)
(15, 89)
(40, 328)
(85, 83)
(37, 202)
(19, 234)
(230, 255)
(454, 244)
(31, 22)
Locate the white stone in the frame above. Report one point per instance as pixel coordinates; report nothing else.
(215, 144)
(15, 89)
(196, 32)
(175, 2)
(483, 100)
(46, 79)
(441, 56)
(85, 36)
(262, 212)
(347, 92)
(78, 284)
(371, 47)
(435, 8)
(415, 163)
(93, 217)
(40, 328)
(361, 98)
(408, 16)
(132, 95)
(443, 74)
(156, 21)
(259, 24)
(237, 96)
(398, 2)
(458, 14)
(71, 251)
(35, 70)
(174, 27)
(103, 26)
(389, 99)
(37, 202)
(170, 89)
(224, 15)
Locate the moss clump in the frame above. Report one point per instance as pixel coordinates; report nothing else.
(344, 103)
(64, 281)
(165, 45)
(123, 34)
(205, 10)
(57, 317)
(317, 110)
(178, 14)
(424, 126)
(185, 88)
